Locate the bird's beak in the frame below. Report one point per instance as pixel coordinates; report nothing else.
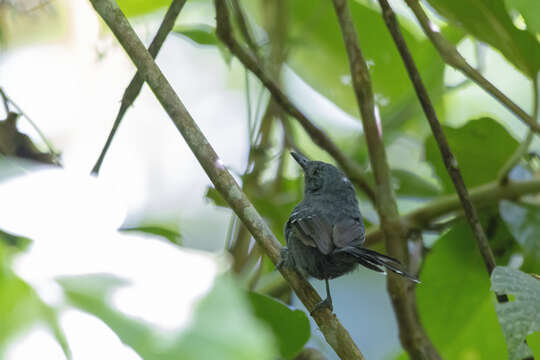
(300, 159)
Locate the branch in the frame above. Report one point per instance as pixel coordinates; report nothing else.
(448, 157)
(353, 171)
(452, 57)
(402, 293)
(336, 335)
(135, 86)
(481, 196)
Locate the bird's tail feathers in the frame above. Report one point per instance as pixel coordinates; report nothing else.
(376, 261)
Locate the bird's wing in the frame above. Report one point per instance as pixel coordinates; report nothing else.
(313, 230)
(348, 231)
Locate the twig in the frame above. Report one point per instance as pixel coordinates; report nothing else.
(244, 29)
(448, 157)
(524, 146)
(481, 196)
(336, 335)
(353, 171)
(452, 57)
(7, 100)
(412, 334)
(135, 86)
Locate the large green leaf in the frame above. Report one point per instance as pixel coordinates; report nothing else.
(523, 220)
(481, 147)
(454, 301)
(223, 326)
(318, 55)
(488, 20)
(290, 327)
(520, 317)
(529, 9)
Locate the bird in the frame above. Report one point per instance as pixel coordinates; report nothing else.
(325, 231)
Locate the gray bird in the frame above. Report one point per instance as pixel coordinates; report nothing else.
(325, 231)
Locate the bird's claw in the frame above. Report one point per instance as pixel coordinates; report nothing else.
(326, 303)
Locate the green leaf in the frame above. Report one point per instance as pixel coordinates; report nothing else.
(481, 147)
(488, 20)
(21, 307)
(454, 301)
(200, 34)
(171, 235)
(529, 9)
(215, 197)
(520, 317)
(317, 45)
(141, 7)
(523, 220)
(290, 327)
(209, 335)
(408, 184)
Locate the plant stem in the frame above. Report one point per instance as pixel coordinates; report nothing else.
(135, 86)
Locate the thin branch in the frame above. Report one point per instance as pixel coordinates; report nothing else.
(5, 100)
(402, 293)
(481, 196)
(244, 29)
(353, 171)
(135, 86)
(448, 157)
(452, 57)
(524, 146)
(336, 335)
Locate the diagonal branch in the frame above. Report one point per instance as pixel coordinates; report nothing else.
(448, 157)
(353, 171)
(135, 86)
(452, 57)
(481, 196)
(412, 334)
(336, 335)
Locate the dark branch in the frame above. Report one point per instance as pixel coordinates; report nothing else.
(135, 86)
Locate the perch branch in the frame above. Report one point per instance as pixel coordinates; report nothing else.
(135, 86)
(412, 334)
(336, 335)
(353, 171)
(452, 57)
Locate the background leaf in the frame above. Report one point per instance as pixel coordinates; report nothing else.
(291, 327)
(520, 317)
(171, 235)
(523, 220)
(481, 147)
(454, 301)
(488, 20)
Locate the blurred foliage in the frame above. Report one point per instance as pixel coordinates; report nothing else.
(529, 9)
(520, 317)
(489, 21)
(20, 305)
(454, 301)
(523, 220)
(222, 326)
(291, 327)
(171, 235)
(481, 148)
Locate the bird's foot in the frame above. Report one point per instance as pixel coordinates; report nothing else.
(326, 303)
(284, 254)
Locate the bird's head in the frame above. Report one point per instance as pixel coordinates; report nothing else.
(321, 177)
